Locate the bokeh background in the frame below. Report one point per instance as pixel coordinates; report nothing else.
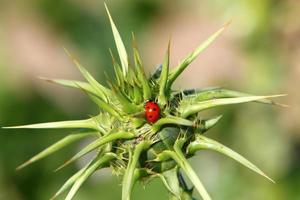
(259, 53)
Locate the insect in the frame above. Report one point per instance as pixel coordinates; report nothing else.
(152, 111)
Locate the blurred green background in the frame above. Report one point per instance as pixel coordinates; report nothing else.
(259, 53)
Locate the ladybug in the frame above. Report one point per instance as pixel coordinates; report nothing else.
(152, 111)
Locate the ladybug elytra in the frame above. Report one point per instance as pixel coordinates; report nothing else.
(152, 111)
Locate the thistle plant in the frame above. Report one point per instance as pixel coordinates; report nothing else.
(145, 128)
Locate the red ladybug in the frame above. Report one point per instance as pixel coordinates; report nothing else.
(152, 111)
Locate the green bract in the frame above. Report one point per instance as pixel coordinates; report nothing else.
(137, 150)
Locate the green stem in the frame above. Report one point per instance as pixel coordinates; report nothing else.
(185, 192)
(128, 179)
(179, 157)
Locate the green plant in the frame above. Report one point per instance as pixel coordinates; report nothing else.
(135, 148)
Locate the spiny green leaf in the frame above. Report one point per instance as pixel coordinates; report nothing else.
(127, 105)
(187, 109)
(170, 180)
(73, 84)
(101, 91)
(138, 97)
(105, 121)
(163, 90)
(203, 142)
(130, 92)
(86, 123)
(119, 76)
(56, 146)
(98, 143)
(171, 120)
(182, 162)
(183, 64)
(119, 43)
(128, 179)
(215, 93)
(180, 158)
(105, 106)
(88, 172)
(140, 71)
(131, 76)
(118, 70)
(207, 124)
(71, 181)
